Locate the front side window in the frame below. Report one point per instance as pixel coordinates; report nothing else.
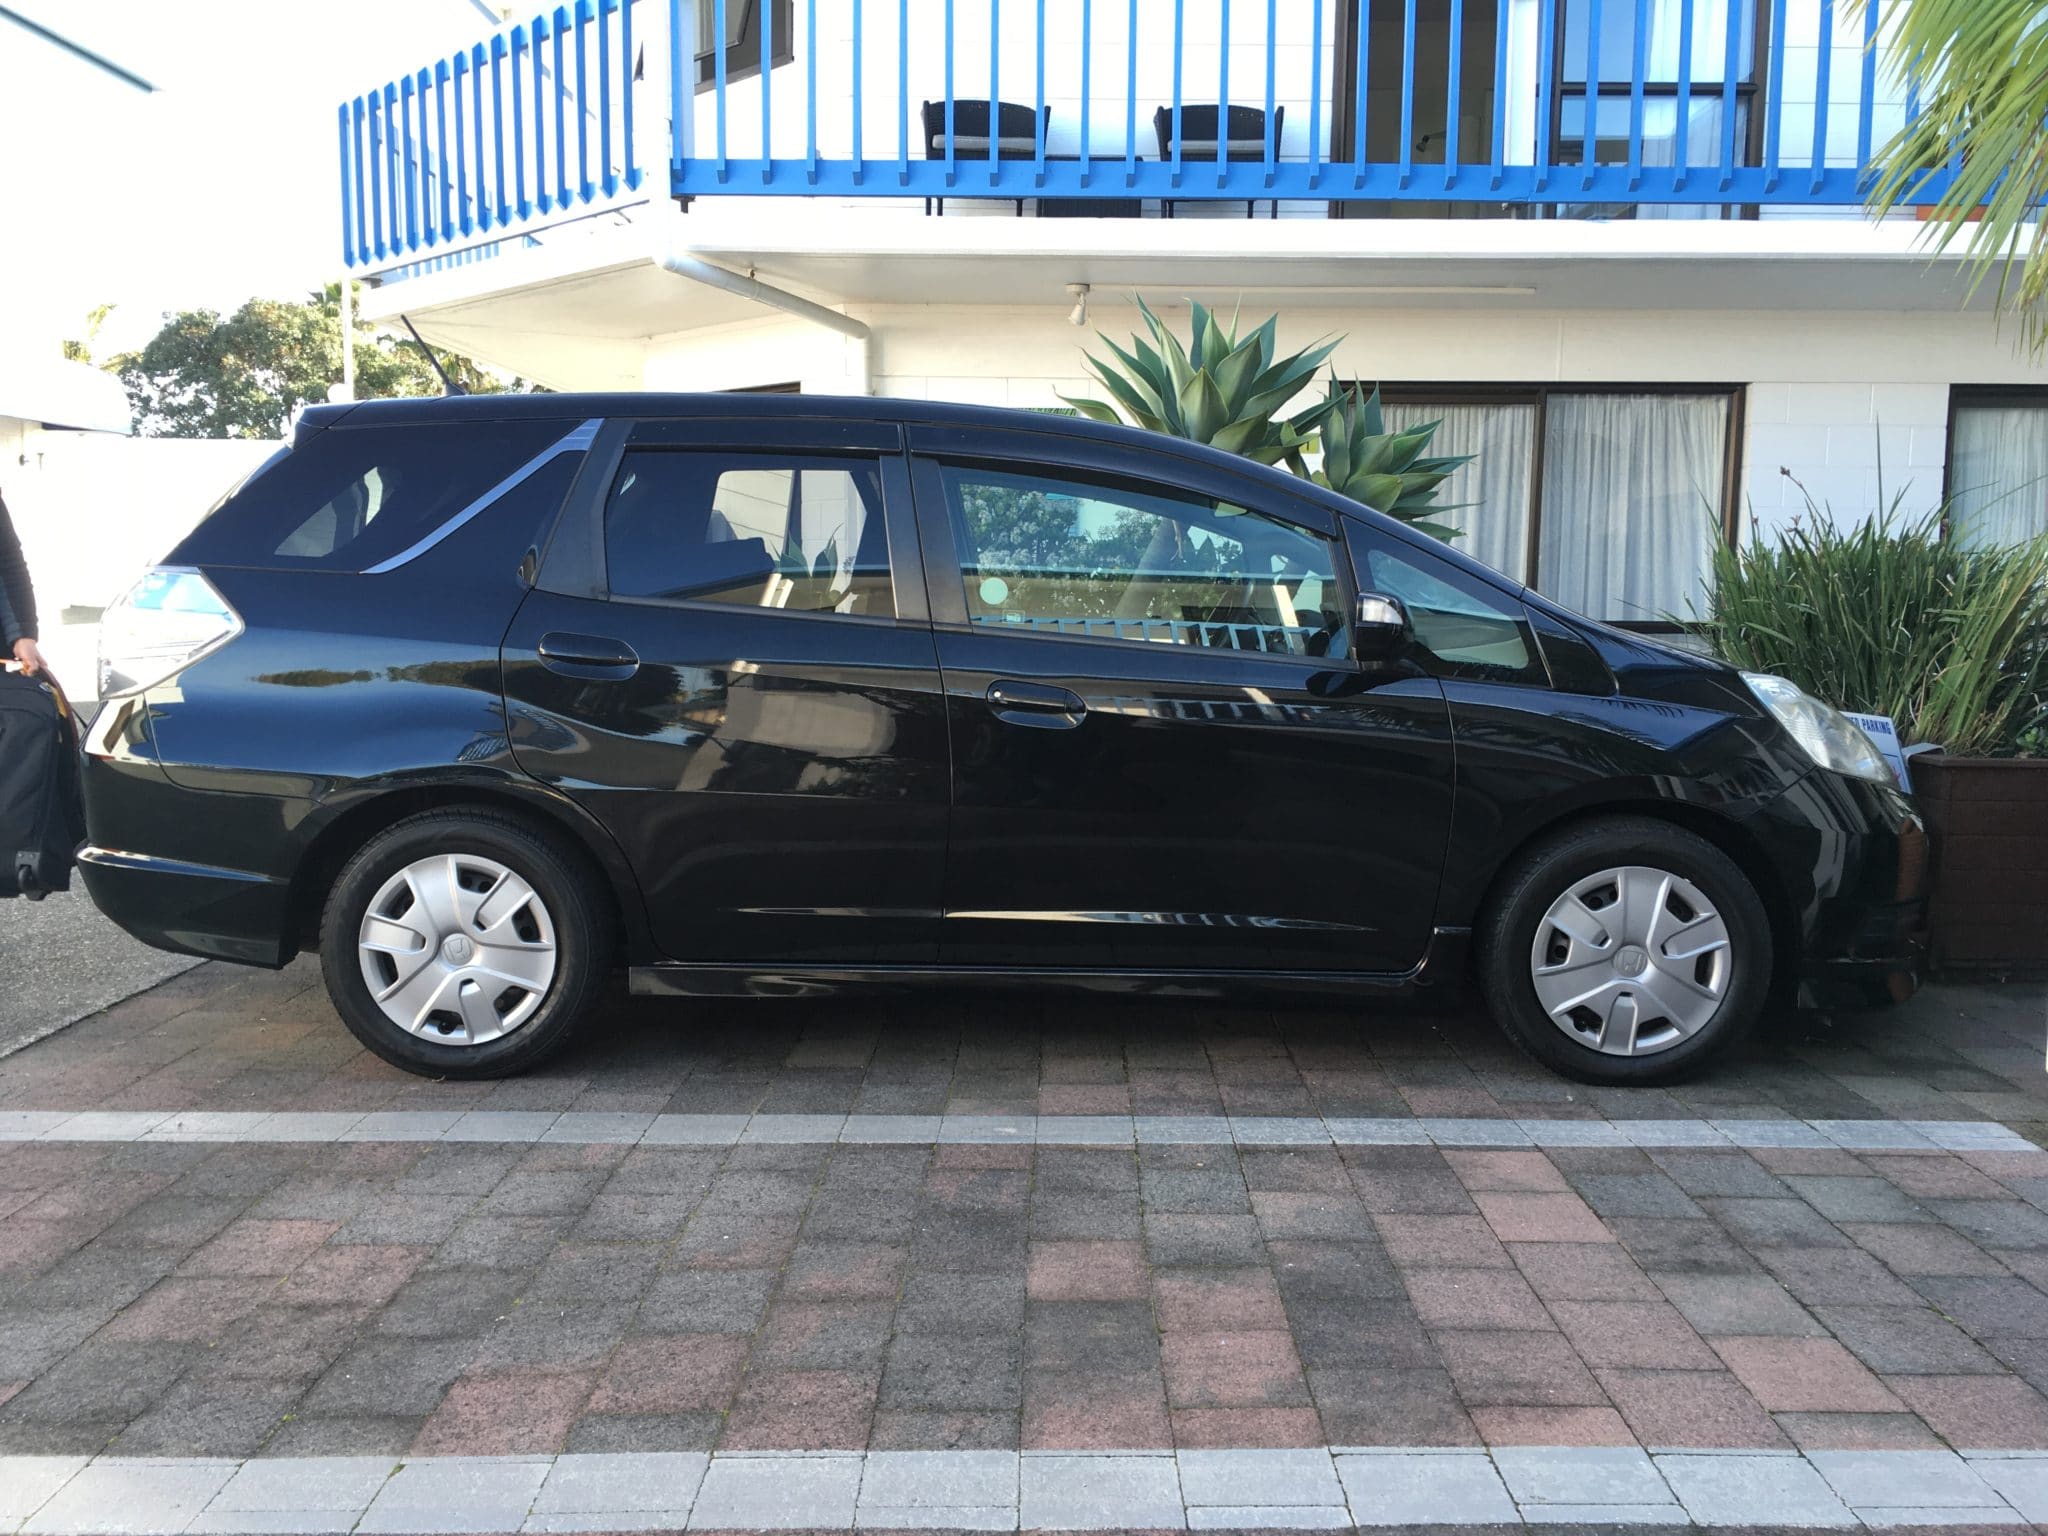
(755, 530)
(1109, 560)
(1469, 629)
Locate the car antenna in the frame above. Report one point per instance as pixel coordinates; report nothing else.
(448, 385)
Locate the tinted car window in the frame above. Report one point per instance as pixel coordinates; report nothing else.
(1466, 626)
(350, 498)
(1069, 556)
(758, 530)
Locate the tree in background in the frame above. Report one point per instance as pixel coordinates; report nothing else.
(244, 376)
(81, 351)
(1979, 69)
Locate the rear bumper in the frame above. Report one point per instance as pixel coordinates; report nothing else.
(190, 909)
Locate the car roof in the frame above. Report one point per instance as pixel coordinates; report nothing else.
(707, 405)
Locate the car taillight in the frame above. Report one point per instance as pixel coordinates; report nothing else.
(159, 627)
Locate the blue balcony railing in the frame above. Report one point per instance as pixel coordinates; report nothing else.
(1597, 108)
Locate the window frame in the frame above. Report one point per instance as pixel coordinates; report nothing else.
(1961, 397)
(743, 58)
(1538, 396)
(1016, 451)
(795, 442)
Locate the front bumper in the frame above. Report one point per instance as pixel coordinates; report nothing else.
(1855, 864)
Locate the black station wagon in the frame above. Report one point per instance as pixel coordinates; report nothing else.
(489, 697)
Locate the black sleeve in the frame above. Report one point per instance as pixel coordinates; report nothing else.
(17, 597)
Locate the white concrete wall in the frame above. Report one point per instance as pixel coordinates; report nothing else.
(1848, 400)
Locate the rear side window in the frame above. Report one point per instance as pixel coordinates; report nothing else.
(794, 532)
(349, 499)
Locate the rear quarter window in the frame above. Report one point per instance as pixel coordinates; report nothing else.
(350, 498)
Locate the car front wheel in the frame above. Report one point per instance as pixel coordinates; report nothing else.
(464, 944)
(1626, 950)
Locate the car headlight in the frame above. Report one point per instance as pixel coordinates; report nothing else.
(1823, 732)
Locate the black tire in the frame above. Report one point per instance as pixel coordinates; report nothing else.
(1546, 871)
(583, 936)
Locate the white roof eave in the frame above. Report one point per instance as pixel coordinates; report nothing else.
(57, 392)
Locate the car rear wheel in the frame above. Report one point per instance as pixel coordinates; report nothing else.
(1626, 950)
(464, 944)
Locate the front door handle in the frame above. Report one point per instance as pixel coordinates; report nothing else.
(596, 657)
(1038, 705)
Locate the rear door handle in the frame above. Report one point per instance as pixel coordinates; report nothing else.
(596, 657)
(1039, 705)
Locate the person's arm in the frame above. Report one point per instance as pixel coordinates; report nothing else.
(18, 629)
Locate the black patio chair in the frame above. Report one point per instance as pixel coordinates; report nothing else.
(1198, 139)
(1017, 129)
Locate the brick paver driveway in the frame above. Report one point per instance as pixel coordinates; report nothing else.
(992, 1225)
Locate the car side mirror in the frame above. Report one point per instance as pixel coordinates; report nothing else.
(1380, 628)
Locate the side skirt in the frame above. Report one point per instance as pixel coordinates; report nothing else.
(1437, 979)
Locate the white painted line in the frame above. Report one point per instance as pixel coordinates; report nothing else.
(1310, 1489)
(590, 1129)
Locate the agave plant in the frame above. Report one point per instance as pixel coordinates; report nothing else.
(1222, 389)
(1391, 471)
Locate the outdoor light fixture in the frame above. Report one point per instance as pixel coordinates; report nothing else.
(1078, 292)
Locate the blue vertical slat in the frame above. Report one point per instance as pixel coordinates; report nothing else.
(1731, 74)
(1087, 74)
(627, 106)
(1639, 67)
(1180, 38)
(1866, 108)
(561, 108)
(348, 190)
(608, 176)
(1315, 94)
(355, 139)
(1823, 82)
(1500, 92)
(1223, 97)
(1272, 36)
(682, 90)
(476, 109)
(1592, 91)
(902, 92)
(394, 171)
(1546, 76)
(579, 23)
(995, 126)
(441, 162)
(1130, 96)
(1407, 91)
(504, 208)
(767, 73)
(1774, 94)
(463, 219)
(543, 193)
(952, 163)
(1358, 102)
(1038, 109)
(859, 165)
(409, 163)
(718, 82)
(1681, 148)
(376, 118)
(810, 89)
(519, 201)
(1454, 87)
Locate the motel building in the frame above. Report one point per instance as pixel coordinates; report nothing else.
(1616, 246)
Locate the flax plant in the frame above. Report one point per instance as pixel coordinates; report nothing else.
(1895, 616)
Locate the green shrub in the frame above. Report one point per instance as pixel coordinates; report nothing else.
(1892, 617)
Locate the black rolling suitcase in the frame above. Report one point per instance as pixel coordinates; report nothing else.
(41, 817)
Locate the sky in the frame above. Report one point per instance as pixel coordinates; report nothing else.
(218, 186)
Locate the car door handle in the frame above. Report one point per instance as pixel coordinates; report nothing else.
(596, 657)
(1036, 704)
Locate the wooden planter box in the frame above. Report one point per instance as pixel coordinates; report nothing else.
(1988, 821)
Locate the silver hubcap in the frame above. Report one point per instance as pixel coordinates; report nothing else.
(457, 949)
(1631, 961)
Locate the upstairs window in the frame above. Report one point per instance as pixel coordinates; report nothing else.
(743, 22)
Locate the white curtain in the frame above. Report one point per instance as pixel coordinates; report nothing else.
(1998, 473)
(1487, 500)
(1632, 498)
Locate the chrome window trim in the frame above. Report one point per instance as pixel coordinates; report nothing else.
(577, 440)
